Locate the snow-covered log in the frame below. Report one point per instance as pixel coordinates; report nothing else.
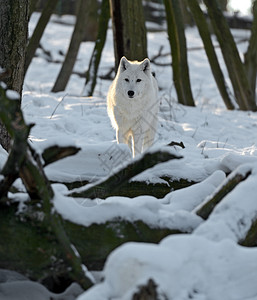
(23, 160)
(206, 208)
(121, 177)
(32, 249)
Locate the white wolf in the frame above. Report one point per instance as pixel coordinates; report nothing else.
(132, 105)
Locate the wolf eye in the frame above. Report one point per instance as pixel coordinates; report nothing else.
(138, 80)
(126, 79)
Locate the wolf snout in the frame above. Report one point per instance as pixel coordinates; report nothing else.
(131, 94)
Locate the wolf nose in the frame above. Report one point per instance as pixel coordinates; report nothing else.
(131, 93)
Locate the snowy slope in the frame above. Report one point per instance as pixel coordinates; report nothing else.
(207, 264)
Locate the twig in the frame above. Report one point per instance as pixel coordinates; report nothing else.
(58, 105)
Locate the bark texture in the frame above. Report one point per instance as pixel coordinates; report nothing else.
(129, 32)
(14, 16)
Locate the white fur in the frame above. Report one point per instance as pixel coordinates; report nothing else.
(132, 104)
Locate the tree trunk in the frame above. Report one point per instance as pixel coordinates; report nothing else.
(236, 70)
(13, 38)
(251, 54)
(129, 32)
(210, 51)
(179, 52)
(186, 14)
(71, 55)
(223, 4)
(33, 6)
(38, 31)
(91, 73)
(92, 23)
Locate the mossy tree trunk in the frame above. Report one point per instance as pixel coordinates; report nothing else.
(38, 31)
(178, 46)
(129, 32)
(13, 38)
(71, 55)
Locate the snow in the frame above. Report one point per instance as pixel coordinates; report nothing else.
(206, 264)
(12, 95)
(146, 208)
(183, 267)
(25, 289)
(190, 197)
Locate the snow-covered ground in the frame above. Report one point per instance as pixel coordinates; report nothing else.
(208, 264)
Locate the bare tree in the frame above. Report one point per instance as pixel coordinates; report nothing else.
(76, 39)
(243, 92)
(204, 32)
(178, 46)
(251, 54)
(129, 32)
(91, 73)
(38, 31)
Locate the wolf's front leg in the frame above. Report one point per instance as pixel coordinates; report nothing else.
(137, 142)
(124, 138)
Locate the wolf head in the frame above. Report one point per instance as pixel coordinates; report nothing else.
(134, 77)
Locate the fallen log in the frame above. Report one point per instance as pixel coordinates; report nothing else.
(32, 249)
(120, 178)
(134, 188)
(251, 238)
(23, 160)
(205, 209)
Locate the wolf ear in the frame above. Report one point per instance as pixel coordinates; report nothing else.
(123, 64)
(146, 65)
